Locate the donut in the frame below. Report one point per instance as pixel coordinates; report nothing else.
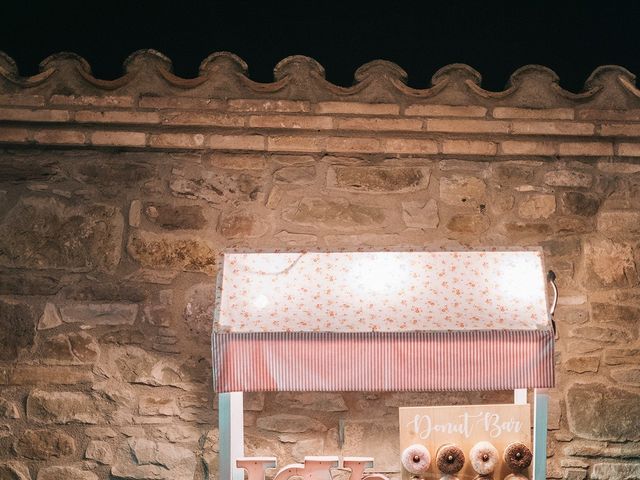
(516, 476)
(517, 456)
(449, 477)
(484, 458)
(449, 459)
(416, 459)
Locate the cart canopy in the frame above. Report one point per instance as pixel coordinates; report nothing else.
(382, 321)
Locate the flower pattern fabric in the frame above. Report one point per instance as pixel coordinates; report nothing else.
(382, 291)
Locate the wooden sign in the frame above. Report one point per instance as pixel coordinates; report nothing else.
(465, 426)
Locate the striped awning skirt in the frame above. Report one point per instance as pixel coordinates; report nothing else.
(466, 360)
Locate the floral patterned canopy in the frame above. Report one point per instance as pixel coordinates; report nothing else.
(382, 291)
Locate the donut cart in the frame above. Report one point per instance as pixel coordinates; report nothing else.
(368, 321)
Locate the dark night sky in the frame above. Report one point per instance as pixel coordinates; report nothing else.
(571, 37)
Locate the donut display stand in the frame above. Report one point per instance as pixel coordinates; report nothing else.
(306, 321)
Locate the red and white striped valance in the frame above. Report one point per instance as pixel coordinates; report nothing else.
(383, 361)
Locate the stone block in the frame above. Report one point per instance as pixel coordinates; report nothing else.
(49, 233)
(335, 214)
(568, 178)
(599, 412)
(147, 459)
(579, 203)
(17, 328)
(63, 408)
(13, 470)
(99, 451)
(172, 251)
(420, 214)
(65, 473)
(378, 179)
(608, 264)
(608, 471)
(44, 444)
(287, 423)
(582, 364)
(175, 217)
(537, 206)
(462, 191)
(99, 313)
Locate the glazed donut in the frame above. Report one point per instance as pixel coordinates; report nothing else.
(517, 456)
(516, 476)
(484, 458)
(449, 459)
(416, 459)
(449, 477)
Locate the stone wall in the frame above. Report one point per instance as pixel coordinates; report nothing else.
(116, 198)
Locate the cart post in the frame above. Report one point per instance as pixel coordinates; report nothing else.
(540, 407)
(231, 434)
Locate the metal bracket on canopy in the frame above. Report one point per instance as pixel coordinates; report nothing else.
(551, 277)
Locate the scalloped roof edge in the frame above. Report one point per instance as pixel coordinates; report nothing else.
(224, 75)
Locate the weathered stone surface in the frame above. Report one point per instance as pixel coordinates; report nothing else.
(50, 317)
(242, 224)
(175, 217)
(296, 239)
(45, 444)
(627, 376)
(619, 315)
(214, 186)
(154, 405)
(286, 423)
(49, 233)
(134, 365)
(527, 230)
(17, 328)
(8, 409)
(307, 447)
(155, 460)
(70, 349)
(40, 375)
(297, 175)
(172, 252)
(602, 334)
(337, 213)
(65, 473)
(420, 214)
(608, 264)
(30, 169)
(568, 178)
(574, 474)
(63, 407)
(537, 206)
(99, 451)
(198, 311)
(14, 471)
(599, 412)
(462, 191)
(619, 471)
(586, 448)
(99, 313)
(512, 173)
(579, 203)
(472, 223)
(326, 402)
(378, 179)
(619, 223)
(622, 356)
(378, 438)
(582, 364)
(16, 282)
